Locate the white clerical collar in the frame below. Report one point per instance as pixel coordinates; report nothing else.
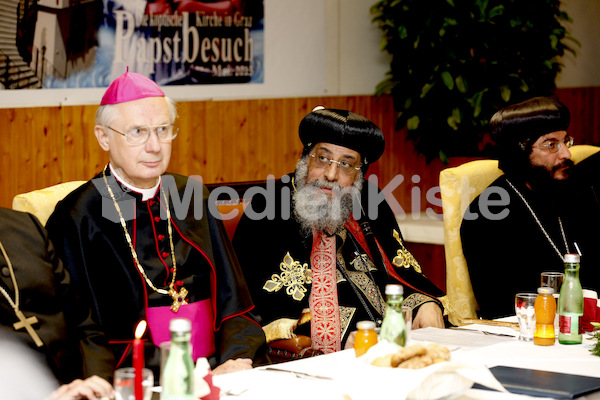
(146, 193)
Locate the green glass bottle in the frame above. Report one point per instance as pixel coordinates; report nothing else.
(393, 327)
(178, 374)
(570, 303)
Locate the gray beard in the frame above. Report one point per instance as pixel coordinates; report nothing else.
(314, 209)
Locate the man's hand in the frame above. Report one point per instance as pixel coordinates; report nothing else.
(91, 388)
(239, 364)
(350, 341)
(429, 314)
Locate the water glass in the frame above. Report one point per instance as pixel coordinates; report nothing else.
(524, 308)
(407, 313)
(553, 280)
(124, 383)
(165, 347)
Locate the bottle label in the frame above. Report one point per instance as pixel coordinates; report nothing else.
(570, 324)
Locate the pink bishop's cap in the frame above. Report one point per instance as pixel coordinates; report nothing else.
(130, 86)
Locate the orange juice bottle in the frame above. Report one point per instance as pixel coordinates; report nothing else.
(545, 309)
(365, 337)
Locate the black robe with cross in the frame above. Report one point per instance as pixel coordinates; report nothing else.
(74, 344)
(274, 246)
(90, 239)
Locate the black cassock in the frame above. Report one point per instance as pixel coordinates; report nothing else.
(74, 344)
(90, 239)
(274, 254)
(504, 246)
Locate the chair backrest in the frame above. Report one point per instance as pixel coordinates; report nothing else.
(41, 202)
(230, 220)
(459, 186)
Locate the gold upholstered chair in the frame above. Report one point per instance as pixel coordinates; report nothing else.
(41, 202)
(459, 186)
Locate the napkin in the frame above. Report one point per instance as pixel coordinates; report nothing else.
(203, 383)
(446, 379)
(591, 310)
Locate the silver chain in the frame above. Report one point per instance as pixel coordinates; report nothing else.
(540, 224)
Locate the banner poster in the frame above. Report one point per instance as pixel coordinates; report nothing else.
(88, 43)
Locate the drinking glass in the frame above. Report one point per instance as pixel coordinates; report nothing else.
(124, 383)
(407, 313)
(524, 308)
(165, 347)
(553, 280)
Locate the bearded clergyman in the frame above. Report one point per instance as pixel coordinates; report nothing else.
(318, 255)
(525, 221)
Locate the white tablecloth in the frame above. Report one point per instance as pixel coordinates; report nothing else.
(352, 379)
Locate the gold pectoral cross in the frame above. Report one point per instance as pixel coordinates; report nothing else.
(178, 298)
(26, 323)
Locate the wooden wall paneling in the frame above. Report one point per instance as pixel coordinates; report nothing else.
(214, 147)
(46, 145)
(574, 103)
(81, 156)
(11, 170)
(584, 105)
(31, 155)
(185, 146)
(242, 161)
(199, 142)
(259, 140)
(7, 172)
(288, 147)
(230, 141)
(593, 108)
(204, 133)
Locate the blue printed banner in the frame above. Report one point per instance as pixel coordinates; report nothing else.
(88, 43)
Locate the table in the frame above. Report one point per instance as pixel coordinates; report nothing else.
(354, 380)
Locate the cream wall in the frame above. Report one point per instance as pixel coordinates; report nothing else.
(328, 47)
(584, 69)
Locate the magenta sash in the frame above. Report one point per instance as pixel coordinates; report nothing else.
(201, 315)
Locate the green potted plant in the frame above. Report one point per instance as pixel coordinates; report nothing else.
(456, 62)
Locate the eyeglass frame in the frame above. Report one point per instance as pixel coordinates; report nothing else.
(330, 161)
(568, 141)
(152, 129)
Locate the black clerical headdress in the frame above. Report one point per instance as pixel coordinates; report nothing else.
(515, 128)
(343, 128)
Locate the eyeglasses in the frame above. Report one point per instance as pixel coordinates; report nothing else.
(553, 145)
(140, 135)
(344, 166)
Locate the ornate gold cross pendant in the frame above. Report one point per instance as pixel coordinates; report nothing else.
(178, 298)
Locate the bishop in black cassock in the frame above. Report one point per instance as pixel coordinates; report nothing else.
(142, 245)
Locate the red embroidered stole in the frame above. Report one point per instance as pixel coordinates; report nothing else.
(325, 326)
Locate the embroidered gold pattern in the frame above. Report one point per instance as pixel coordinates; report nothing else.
(404, 259)
(346, 314)
(369, 289)
(362, 262)
(294, 276)
(417, 299)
